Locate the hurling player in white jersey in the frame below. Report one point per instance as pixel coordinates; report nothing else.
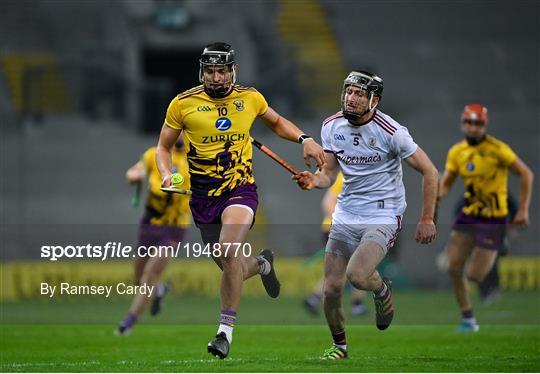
(368, 146)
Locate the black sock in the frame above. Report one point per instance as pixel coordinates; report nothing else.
(339, 339)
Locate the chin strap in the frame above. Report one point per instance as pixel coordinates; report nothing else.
(370, 108)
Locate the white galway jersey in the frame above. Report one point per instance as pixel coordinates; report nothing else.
(370, 158)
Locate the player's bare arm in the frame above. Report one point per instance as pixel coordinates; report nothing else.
(136, 173)
(167, 138)
(525, 189)
(426, 230)
(288, 130)
(446, 183)
(322, 178)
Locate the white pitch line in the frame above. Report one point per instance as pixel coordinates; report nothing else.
(124, 362)
(81, 363)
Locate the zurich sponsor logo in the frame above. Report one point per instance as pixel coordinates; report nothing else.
(470, 166)
(339, 137)
(223, 124)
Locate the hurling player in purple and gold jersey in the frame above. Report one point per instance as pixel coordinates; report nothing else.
(216, 118)
(165, 220)
(479, 230)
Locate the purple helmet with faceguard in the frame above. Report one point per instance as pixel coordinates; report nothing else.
(364, 80)
(217, 56)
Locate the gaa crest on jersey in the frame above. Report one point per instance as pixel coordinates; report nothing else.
(239, 104)
(223, 124)
(339, 137)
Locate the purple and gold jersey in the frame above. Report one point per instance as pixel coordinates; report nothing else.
(166, 208)
(484, 169)
(216, 133)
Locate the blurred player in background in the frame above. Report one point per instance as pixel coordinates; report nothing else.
(313, 302)
(165, 220)
(478, 233)
(489, 289)
(215, 119)
(368, 146)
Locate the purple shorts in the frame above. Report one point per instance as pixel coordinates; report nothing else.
(207, 210)
(488, 233)
(156, 235)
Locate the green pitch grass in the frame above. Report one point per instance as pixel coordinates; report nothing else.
(63, 337)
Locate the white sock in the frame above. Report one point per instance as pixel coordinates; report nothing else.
(341, 346)
(472, 320)
(227, 330)
(382, 292)
(160, 290)
(264, 265)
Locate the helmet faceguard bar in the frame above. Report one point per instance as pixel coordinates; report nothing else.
(229, 67)
(217, 57)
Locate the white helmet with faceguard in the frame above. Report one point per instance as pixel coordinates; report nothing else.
(217, 56)
(364, 80)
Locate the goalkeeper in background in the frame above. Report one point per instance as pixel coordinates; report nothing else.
(165, 220)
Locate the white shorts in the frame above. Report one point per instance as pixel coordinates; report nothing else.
(349, 231)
